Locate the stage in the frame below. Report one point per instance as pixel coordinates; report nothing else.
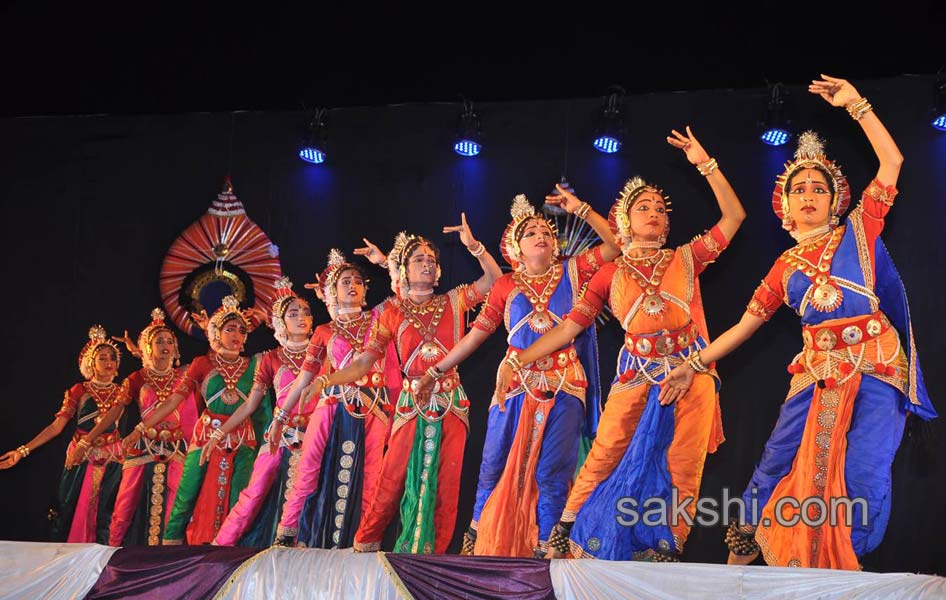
(53, 571)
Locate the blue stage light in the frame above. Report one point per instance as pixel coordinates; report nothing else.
(775, 137)
(312, 155)
(607, 144)
(939, 123)
(467, 148)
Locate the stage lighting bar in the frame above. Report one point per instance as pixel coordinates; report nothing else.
(468, 140)
(316, 134)
(774, 125)
(609, 124)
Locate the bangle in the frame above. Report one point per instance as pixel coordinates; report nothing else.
(323, 379)
(23, 451)
(434, 373)
(217, 435)
(583, 210)
(696, 363)
(477, 250)
(83, 443)
(280, 415)
(707, 167)
(140, 427)
(859, 108)
(514, 363)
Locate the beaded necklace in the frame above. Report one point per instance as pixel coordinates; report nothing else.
(429, 351)
(344, 329)
(826, 295)
(539, 320)
(653, 303)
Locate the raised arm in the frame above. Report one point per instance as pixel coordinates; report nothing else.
(729, 205)
(491, 270)
(573, 205)
(839, 92)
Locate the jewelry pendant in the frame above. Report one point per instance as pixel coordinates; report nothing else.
(430, 352)
(230, 396)
(653, 305)
(826, 297)
(540, 322)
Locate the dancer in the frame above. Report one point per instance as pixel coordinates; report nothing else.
(858, 374)
(221, 381)
(252, 520)
(421, 468)
(534, 429)
(152, 467)
(644, 449)
(341, 454)
(92, 472)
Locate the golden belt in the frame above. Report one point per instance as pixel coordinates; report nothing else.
(556, 360)
(834, 335)
(103, 440)
(445, 384)
(375, 380)
(662, 343)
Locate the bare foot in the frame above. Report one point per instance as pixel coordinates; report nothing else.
(736, 559)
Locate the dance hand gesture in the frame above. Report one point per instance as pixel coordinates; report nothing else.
(317, 287)
(424, 386)
(372, 253)
(208, 448)
(567, 200)
(836, 92)
(690, 146)
(200, 319)
(676, 384)
(132, 348)
(76, 456)
(9, 459)
(466, 236)
(505, 378)
(130, 440)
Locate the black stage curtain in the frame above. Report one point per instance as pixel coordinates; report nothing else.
(91, 204)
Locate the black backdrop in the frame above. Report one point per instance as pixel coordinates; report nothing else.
(91, 204)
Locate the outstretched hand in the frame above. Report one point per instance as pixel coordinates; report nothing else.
(371, 252)
(200, 319)
(466, 236)
(676, 384)
(564, 198)
(8, 459)
(836, 92)
(505, 379)
(207, 450)
(129, 344)
(689, 144)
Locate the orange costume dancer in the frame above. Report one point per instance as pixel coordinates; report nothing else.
(92, 473)
(644, 449)
(421, 468)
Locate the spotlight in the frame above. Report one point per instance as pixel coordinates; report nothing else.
(775, 130)
(939, 101)
(469, 139)
(609, 126)
(313, 144)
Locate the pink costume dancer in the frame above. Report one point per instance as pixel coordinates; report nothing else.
(153, 466)
(252, 520)
(342, 450)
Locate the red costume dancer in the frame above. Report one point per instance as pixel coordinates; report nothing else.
(90, 480)
(421, 468)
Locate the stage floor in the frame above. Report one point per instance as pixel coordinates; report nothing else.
(36, 570)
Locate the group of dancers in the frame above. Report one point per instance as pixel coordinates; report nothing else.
(322, 440)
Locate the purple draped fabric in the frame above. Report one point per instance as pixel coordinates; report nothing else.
(440, 577)
(180, 572)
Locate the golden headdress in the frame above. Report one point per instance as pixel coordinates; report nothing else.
(156, 326)
(97, 339)
(619, 218)
(810, 154)
(522, 212)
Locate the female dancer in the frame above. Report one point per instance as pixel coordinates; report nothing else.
(90, 480)
(252, 520)
(531, 449)
(425, 452)
(155, 463)
(222, 380)
(644, 449)
(341, 453)
(855, 379)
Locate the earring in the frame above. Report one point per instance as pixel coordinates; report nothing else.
(833, 221)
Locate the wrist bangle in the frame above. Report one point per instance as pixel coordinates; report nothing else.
(859, 108)
(323, 379)
(707, 167)
(477, 250)
(696, 363)
(83, 443)
(583, 211)
(140, 427)
(23, 451)
(514, 363)
(217, 435)
(434, 373)
(280, 415)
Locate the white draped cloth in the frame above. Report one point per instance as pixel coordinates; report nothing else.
(34, 571)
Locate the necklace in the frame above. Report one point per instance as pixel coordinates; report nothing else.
(296, 347)
(648, 261)
(653, 303)
(347, 311)
(826, 295)
(539, 320)
(230, 370)
(161, 382)
(429, 351)
(104, 394)
(344, 329)
(817, 232)
(653, 245)
(294, 359)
